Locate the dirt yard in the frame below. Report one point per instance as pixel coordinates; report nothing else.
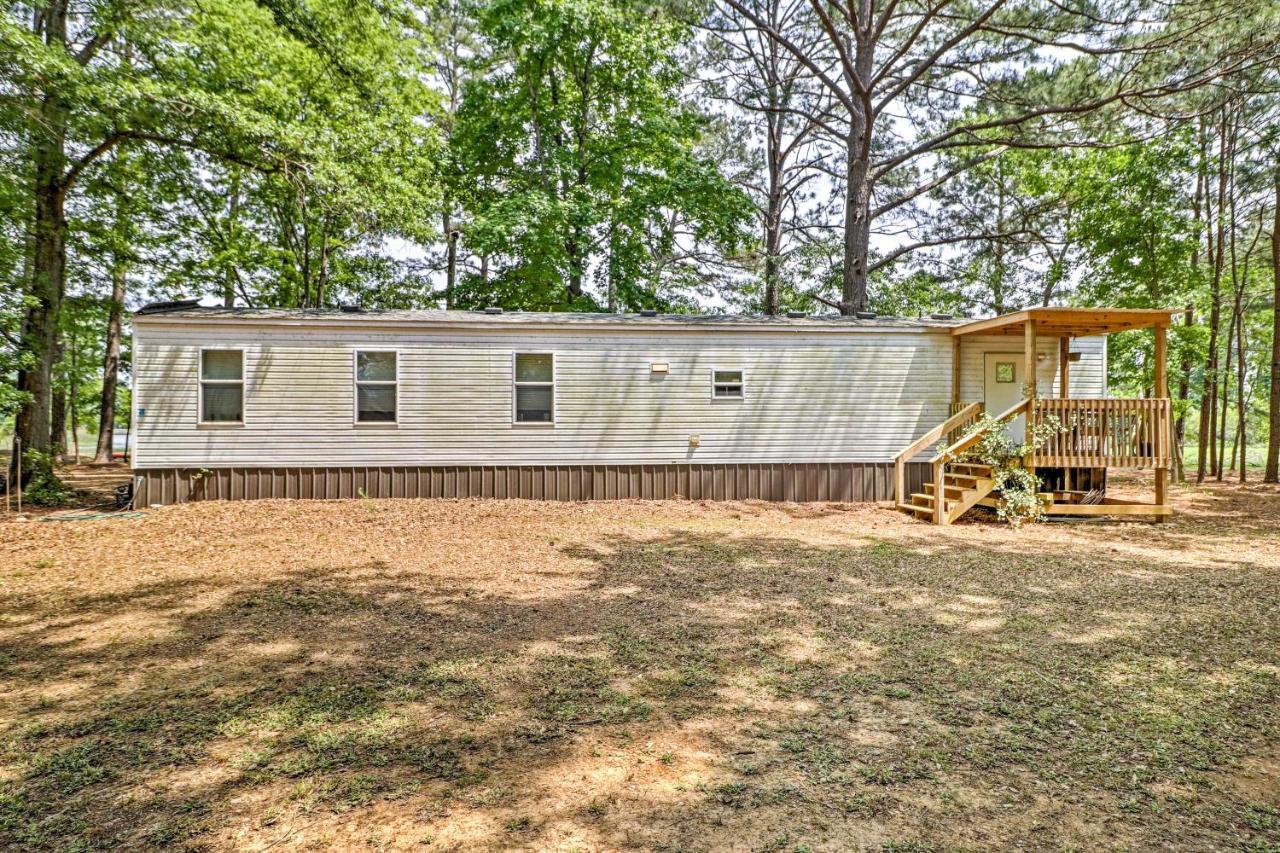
(660, 676)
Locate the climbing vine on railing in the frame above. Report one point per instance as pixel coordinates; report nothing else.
(1019, 499)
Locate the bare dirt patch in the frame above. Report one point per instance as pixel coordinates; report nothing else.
(660, 676)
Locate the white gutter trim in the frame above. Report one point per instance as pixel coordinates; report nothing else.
(160, 319)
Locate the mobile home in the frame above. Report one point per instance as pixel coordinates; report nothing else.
(236, 403)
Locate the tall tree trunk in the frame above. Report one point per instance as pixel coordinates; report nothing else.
(857, 223)
(1221, 459)
(1184, 375)
(857, 207)
(998, 302)
(773, 204)
(1184, 394)
(1272, 473)
(451, 256)
(49, 257)
(574, 288)
(611, 268)
(229, 270)
(73, 396)
(58, 407)
(1242, 364)
(772, 250)
(1242, 402)
(1216, 248)
(1225, 381)
(111, 359)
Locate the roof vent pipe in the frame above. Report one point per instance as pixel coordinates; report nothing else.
(865, 315)
(493, 309)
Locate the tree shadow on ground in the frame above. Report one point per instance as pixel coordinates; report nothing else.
(690, 691)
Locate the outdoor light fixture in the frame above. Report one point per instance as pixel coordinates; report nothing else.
(1073, 356)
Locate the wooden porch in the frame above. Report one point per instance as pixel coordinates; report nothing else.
(1097, 433)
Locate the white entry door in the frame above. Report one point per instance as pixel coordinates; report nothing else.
(1003, 388)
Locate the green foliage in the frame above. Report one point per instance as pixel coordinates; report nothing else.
(578, 164)
(916, 293)
(1134, 225)
(43, 488)
(1019, 502)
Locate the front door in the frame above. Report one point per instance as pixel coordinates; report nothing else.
(1003, 388)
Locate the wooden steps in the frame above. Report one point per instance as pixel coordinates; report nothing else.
(96, 483)
(962, 489)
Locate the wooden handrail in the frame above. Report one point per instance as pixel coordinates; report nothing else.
(972, 438)
(969, 412)
(937, 432)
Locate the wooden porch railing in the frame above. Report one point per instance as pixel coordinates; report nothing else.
(968, 414)
(959, 446)
(1098, 433)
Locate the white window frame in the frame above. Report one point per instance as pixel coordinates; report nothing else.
(743, 383)
(356, 382)
(515, 384)
(201, 382)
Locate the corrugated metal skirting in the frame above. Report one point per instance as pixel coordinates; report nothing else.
(804, 481)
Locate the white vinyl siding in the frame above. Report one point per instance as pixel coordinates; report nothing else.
(1088, 375)
(815, 395)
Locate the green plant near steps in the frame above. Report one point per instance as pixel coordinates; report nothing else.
(43, 488)
(1019, 499)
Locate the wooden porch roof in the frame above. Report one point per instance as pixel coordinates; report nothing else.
(1070, 322)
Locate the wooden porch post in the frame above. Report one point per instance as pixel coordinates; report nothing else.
(955, 369)
(1029, 360)
(1160, 389)
(1029, 385)
(1064, 367)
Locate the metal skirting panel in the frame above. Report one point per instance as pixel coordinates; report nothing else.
(844, 482)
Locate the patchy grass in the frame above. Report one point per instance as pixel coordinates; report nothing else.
(669, 676)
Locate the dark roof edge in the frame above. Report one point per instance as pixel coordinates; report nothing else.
(170, 305)
(184, 311)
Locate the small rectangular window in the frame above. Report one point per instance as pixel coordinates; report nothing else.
(727, 384)
(222, 386)
(376, 388)
(535, 388)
